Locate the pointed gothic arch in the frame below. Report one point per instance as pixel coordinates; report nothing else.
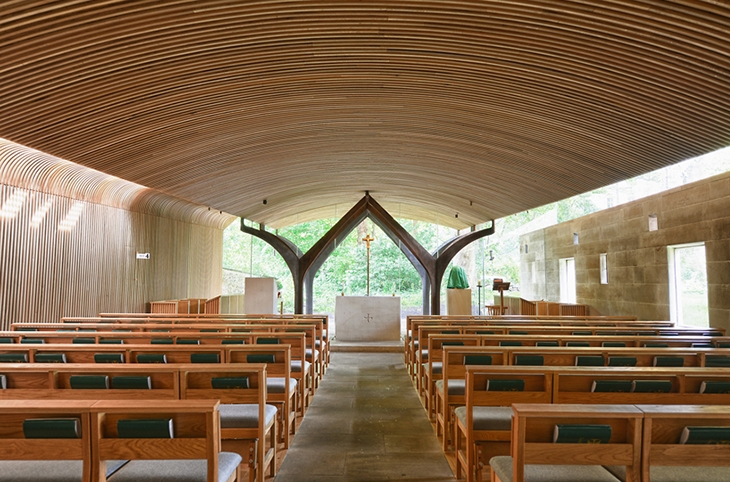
(431, 267)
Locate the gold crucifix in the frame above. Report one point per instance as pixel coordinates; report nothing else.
(367, 240)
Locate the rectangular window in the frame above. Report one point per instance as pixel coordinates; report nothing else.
(688, 285)
(604, 268)
(653, 222)
(567, 280)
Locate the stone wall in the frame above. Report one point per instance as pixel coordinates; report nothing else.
(637, 258)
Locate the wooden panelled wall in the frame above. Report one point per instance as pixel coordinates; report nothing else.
(638, 269)
(48, 271)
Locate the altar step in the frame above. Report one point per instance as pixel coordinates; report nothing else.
(366, 346)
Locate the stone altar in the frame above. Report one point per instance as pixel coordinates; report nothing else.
(367, 318)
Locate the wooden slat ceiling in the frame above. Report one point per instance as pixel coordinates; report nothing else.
(481, 108)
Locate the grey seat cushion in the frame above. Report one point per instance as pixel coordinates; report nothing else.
(278, 384)
(437, 367)
(678, 474)
(176, 470)
(502, 466)
(244, 415)
(424, 354)
(488, 418)
(456, 386)
(296, 366)
(48, 470)
(41, 470)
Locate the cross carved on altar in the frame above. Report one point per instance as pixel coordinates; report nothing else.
(367, 240)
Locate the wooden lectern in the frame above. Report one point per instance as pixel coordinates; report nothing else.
(499, 285)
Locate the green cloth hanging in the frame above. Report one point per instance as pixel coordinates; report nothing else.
(457, 278)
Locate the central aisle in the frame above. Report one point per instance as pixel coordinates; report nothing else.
(365, 423)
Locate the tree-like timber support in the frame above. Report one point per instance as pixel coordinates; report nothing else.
(304, 266)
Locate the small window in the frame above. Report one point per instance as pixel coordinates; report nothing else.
(575, 238)
(604, 268)
(653, 222)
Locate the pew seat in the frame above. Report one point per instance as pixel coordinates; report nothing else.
(245, 415)
(535, 457)
(666, 459)
(679, 474)
(502, 468)
(177, 470)
(192, 455)
(49, 470)
(487, 418)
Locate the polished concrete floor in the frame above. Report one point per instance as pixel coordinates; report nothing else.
(366, 423)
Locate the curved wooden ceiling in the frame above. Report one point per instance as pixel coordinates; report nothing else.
(438, 108)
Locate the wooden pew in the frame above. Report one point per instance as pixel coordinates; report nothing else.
(662, 456)
(195, 448)
(583, 385)
(71, 382)
(416, 353)
(532, 435)
(433, 369)
(318, 340)
(55, 381)
(301, 369)
(493, 425)
(280, 386)
(574, 385)
(453, 370)
(24, 459)
(248, 424)
(450, 390)
(527, 342)
(643, 357)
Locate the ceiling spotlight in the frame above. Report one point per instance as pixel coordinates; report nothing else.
(266, 202)
(456, 215)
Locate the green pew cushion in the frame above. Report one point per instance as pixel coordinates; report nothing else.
(502, 466)
(260, 358)
(477, 360)
(50, 358)
(487, 418)
(244, 415)
(176, 470)
(132, 383)
(527, 360)
(13, 358)
(205, 358)
(151, 358)
(668, 361)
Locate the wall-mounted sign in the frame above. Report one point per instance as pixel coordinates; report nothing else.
(143, 255)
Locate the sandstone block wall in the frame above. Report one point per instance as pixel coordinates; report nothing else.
(638, 270)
